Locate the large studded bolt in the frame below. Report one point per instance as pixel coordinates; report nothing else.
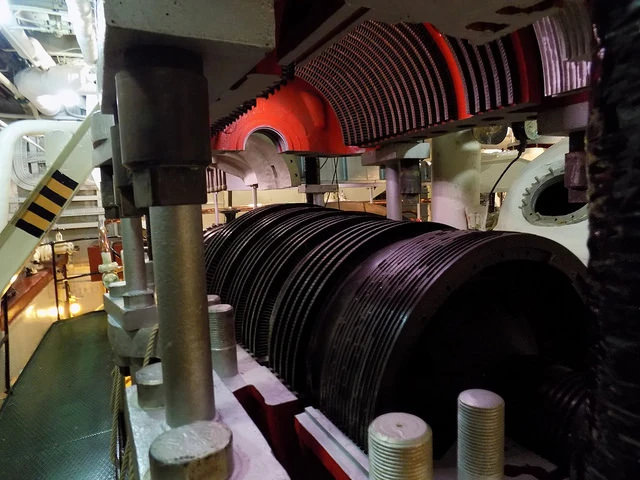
(400, 447)
(480, 436)
(222, 331)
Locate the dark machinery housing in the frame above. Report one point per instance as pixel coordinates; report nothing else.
(360, 315)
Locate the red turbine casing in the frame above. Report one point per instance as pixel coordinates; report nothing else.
(296, 117)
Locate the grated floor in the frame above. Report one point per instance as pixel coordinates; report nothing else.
(57, 422)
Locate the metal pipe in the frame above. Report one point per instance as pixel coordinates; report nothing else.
(217, 209)
(42, 88)
(5, 82)
(27, 47)
(456, 178)
(21, 116)
(82, 19)
(135, 273)
(5, 340)
(55, 280)
(24, 137)
(182, 312)
(394, 197)
(254, 189)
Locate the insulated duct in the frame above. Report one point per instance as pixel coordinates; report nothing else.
(83, 20)
(58, 87)
(613, 435)
(28, 48)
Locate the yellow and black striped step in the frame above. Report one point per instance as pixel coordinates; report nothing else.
(47, 205)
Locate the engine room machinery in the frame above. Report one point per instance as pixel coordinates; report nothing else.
(303, 342)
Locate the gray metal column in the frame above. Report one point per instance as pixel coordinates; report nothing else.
(182, 311)
(394, 198)
(254, 195)
(168, 176)
(135, 273)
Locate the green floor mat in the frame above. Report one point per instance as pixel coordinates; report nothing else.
(57, 422)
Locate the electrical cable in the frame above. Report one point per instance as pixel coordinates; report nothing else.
(320, 179)
(521, 148)
(522, 137)
(334, 180)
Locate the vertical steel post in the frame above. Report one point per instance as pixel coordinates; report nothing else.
(217, 208)
(182, 312)
(311, 175)
(254, 189)
(5, 340)
(55, 279)
(394, 198)
(135, 273)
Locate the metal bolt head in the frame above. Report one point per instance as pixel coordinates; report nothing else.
(198, 451)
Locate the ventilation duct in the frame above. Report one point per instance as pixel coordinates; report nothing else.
(59, 87)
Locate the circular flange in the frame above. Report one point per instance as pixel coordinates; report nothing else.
(531, 211)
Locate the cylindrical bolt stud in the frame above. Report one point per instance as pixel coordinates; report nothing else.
(213, 300)
(400, 447)
(150, 386)
(200, 450)
(222, 331)
(480, 436)
(182, 313)
(135, 270)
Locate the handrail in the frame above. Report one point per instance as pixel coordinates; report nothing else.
(54, 266)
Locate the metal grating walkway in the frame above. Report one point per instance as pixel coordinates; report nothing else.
(57, 423)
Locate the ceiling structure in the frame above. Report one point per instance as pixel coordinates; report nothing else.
(42, 54)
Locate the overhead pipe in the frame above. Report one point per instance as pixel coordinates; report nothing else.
(8, 138)
(456, 178)
(8, 84)
(50, 90)
(83, 20)
(24, 137)
(28, 48)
